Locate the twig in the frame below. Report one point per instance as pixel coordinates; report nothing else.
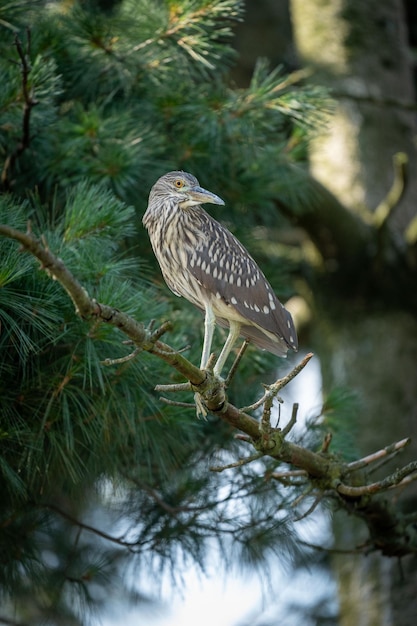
(164, 328)
(392, 481)
(289, 474)
(122, 359)
(292, 421)
(375, 456)
(265, 425)
(236, 362)
(168, 352)
(241, 437)
(278, 385)
(358, 550)
(315, 504)
(185, 405)
(326, 443)
(289, 479)
(301, 497)
(252, 407)
(174, 387)
(211, 362)
(239, 463)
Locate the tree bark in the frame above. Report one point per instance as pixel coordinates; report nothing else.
(359, 49)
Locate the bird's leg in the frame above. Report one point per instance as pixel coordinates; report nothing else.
(209, 323)
(233, 335)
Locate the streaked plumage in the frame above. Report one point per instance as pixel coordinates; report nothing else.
(203, 262)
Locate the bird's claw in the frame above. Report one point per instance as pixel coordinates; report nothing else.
(201, 409)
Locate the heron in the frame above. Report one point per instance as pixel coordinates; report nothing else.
(204, 262)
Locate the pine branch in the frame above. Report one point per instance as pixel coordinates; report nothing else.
(202, 381)
(328, 475)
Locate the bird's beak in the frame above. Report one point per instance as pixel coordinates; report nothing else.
(198, 195)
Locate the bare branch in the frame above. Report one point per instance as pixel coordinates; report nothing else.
(235, 364)
(359, 550)
(289, 474)
(184, 405)
(326, 442)
(275, 388)
(312, 508)
(122, 359)
(376, 456)
(239, 463)
(394, 480)
(292, 421)
(173, 387)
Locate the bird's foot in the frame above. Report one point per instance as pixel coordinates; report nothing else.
(210, 396)
(201, 409)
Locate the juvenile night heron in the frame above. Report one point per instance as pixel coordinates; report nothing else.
(203, 262)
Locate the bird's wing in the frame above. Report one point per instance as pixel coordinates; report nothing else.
(227, 271)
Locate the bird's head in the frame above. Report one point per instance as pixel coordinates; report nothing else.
(183, 189)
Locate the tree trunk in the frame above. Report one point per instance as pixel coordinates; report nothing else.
(359, 49)
(376, 357)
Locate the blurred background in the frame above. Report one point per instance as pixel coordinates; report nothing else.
(301, 115)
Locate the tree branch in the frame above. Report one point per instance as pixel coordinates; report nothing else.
(328, 475)
(394, 480)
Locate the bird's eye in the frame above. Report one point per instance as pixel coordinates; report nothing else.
(179, 183)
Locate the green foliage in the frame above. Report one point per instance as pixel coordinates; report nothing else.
(95, 104)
